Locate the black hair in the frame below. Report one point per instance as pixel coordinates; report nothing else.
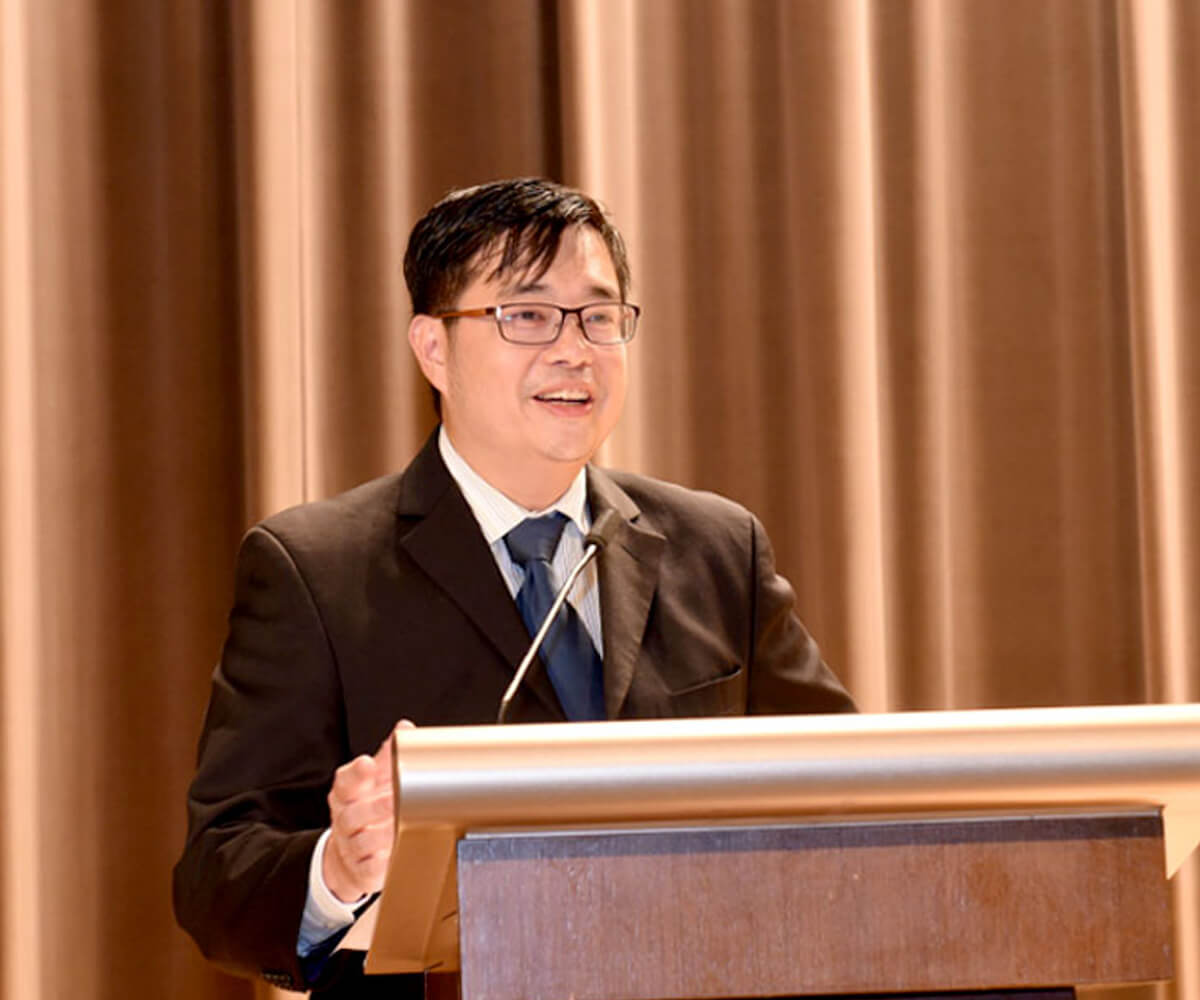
(517, 223)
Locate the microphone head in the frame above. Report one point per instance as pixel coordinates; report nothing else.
(606, 526)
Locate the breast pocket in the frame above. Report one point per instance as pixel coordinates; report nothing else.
(722, 695)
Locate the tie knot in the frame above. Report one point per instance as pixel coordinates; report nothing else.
(535, 539)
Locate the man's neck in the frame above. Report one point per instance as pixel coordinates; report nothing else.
(534, 485)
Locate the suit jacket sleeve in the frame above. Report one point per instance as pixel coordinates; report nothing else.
(787, 673)
(272, 737)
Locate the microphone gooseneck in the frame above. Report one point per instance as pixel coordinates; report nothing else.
(601, 534)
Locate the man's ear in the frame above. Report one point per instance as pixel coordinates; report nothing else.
(427, 338)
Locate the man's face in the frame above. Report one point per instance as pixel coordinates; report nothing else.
(524, 417)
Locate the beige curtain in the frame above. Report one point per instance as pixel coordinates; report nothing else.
(919, 282)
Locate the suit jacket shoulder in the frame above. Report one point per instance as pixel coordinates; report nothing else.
(680, 513)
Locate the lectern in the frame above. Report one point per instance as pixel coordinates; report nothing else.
(787, 856)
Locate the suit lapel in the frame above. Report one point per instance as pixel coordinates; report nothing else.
(628, 577)
(445, 541)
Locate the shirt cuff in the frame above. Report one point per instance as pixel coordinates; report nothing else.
(324, 914)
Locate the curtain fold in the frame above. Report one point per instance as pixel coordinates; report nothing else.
(1162, 211)
(917, 288)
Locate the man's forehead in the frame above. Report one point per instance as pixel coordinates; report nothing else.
(526, 270)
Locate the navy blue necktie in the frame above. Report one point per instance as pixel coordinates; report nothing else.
(571, 659)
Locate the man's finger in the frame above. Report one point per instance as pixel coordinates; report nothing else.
(365, 810)
(383, 761)
(353, 780)
(367, 843)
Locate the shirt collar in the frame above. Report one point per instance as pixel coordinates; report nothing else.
(497, 514)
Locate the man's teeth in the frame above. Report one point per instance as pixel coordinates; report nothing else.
(564, 397)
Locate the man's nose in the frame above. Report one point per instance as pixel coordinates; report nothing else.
(571, 345)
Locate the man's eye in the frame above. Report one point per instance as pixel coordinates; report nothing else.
(602, 317)
(526, 316)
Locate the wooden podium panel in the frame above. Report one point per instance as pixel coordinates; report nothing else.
(973, 902)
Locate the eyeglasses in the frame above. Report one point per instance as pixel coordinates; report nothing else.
(602, 323)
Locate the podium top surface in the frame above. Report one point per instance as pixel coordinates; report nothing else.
(686, 769)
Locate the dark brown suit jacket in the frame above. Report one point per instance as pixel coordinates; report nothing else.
(386, 603)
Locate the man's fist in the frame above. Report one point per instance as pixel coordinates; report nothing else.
(361, 819)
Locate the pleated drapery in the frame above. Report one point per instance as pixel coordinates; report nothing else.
(918, 282)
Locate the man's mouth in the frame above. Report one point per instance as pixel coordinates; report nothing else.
(569, 397)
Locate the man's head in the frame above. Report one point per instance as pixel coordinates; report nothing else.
(525, 416)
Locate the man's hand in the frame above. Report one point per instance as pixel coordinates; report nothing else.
(361, 818)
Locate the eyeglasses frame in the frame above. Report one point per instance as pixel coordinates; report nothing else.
(484, 312)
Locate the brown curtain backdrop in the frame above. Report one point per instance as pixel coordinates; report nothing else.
(920, 288)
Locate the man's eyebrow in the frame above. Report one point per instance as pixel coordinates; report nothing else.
(598, 291)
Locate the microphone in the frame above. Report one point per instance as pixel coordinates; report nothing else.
(601, 534)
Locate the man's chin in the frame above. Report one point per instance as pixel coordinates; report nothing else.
(566, 441)
(569, 457)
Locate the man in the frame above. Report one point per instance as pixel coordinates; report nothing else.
(414, 596)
